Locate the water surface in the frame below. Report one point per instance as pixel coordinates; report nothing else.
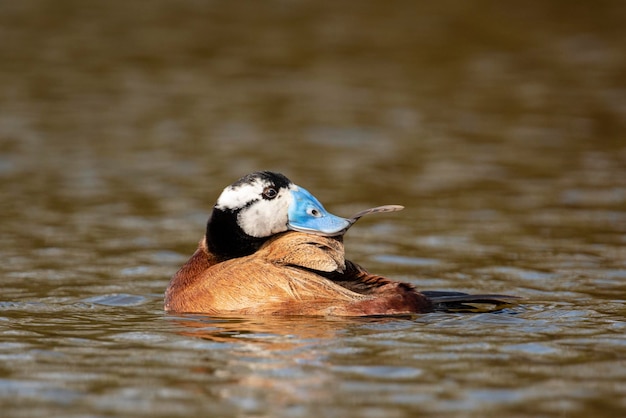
(499, 127)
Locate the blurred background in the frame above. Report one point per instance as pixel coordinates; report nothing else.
(492, 117)
(499, 125)
(154, 106)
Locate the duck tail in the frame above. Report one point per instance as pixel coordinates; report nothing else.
(463, 302)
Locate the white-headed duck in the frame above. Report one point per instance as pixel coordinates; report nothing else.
(271, 248)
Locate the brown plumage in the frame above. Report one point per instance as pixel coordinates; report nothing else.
(293, 273)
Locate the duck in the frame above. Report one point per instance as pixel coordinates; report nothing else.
(271, 248)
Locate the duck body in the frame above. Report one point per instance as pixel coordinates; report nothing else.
(272, 249)
(294, 273)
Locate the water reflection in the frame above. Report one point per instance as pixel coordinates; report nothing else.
(500, 127)
(413, 364)
(271, 361)
(275, 333)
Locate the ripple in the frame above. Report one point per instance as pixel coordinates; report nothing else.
(118, 299)
(518, 273)
(381, 372)
(37, 390)
(530, 349)
(407, 261)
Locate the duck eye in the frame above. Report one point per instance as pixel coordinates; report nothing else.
(314, 212)
(269, 193)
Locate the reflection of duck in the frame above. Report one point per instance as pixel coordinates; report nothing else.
(271, 248)
(271, 332)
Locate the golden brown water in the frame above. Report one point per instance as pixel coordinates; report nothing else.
(500, 127)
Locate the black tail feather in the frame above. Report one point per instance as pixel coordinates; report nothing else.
(459, 301)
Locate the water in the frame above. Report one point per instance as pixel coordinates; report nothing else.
(119, 126)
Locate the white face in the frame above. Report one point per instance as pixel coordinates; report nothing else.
(259, 214)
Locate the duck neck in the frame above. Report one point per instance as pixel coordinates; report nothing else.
(225, 238)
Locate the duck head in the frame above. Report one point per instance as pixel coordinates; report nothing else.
(260, 205)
